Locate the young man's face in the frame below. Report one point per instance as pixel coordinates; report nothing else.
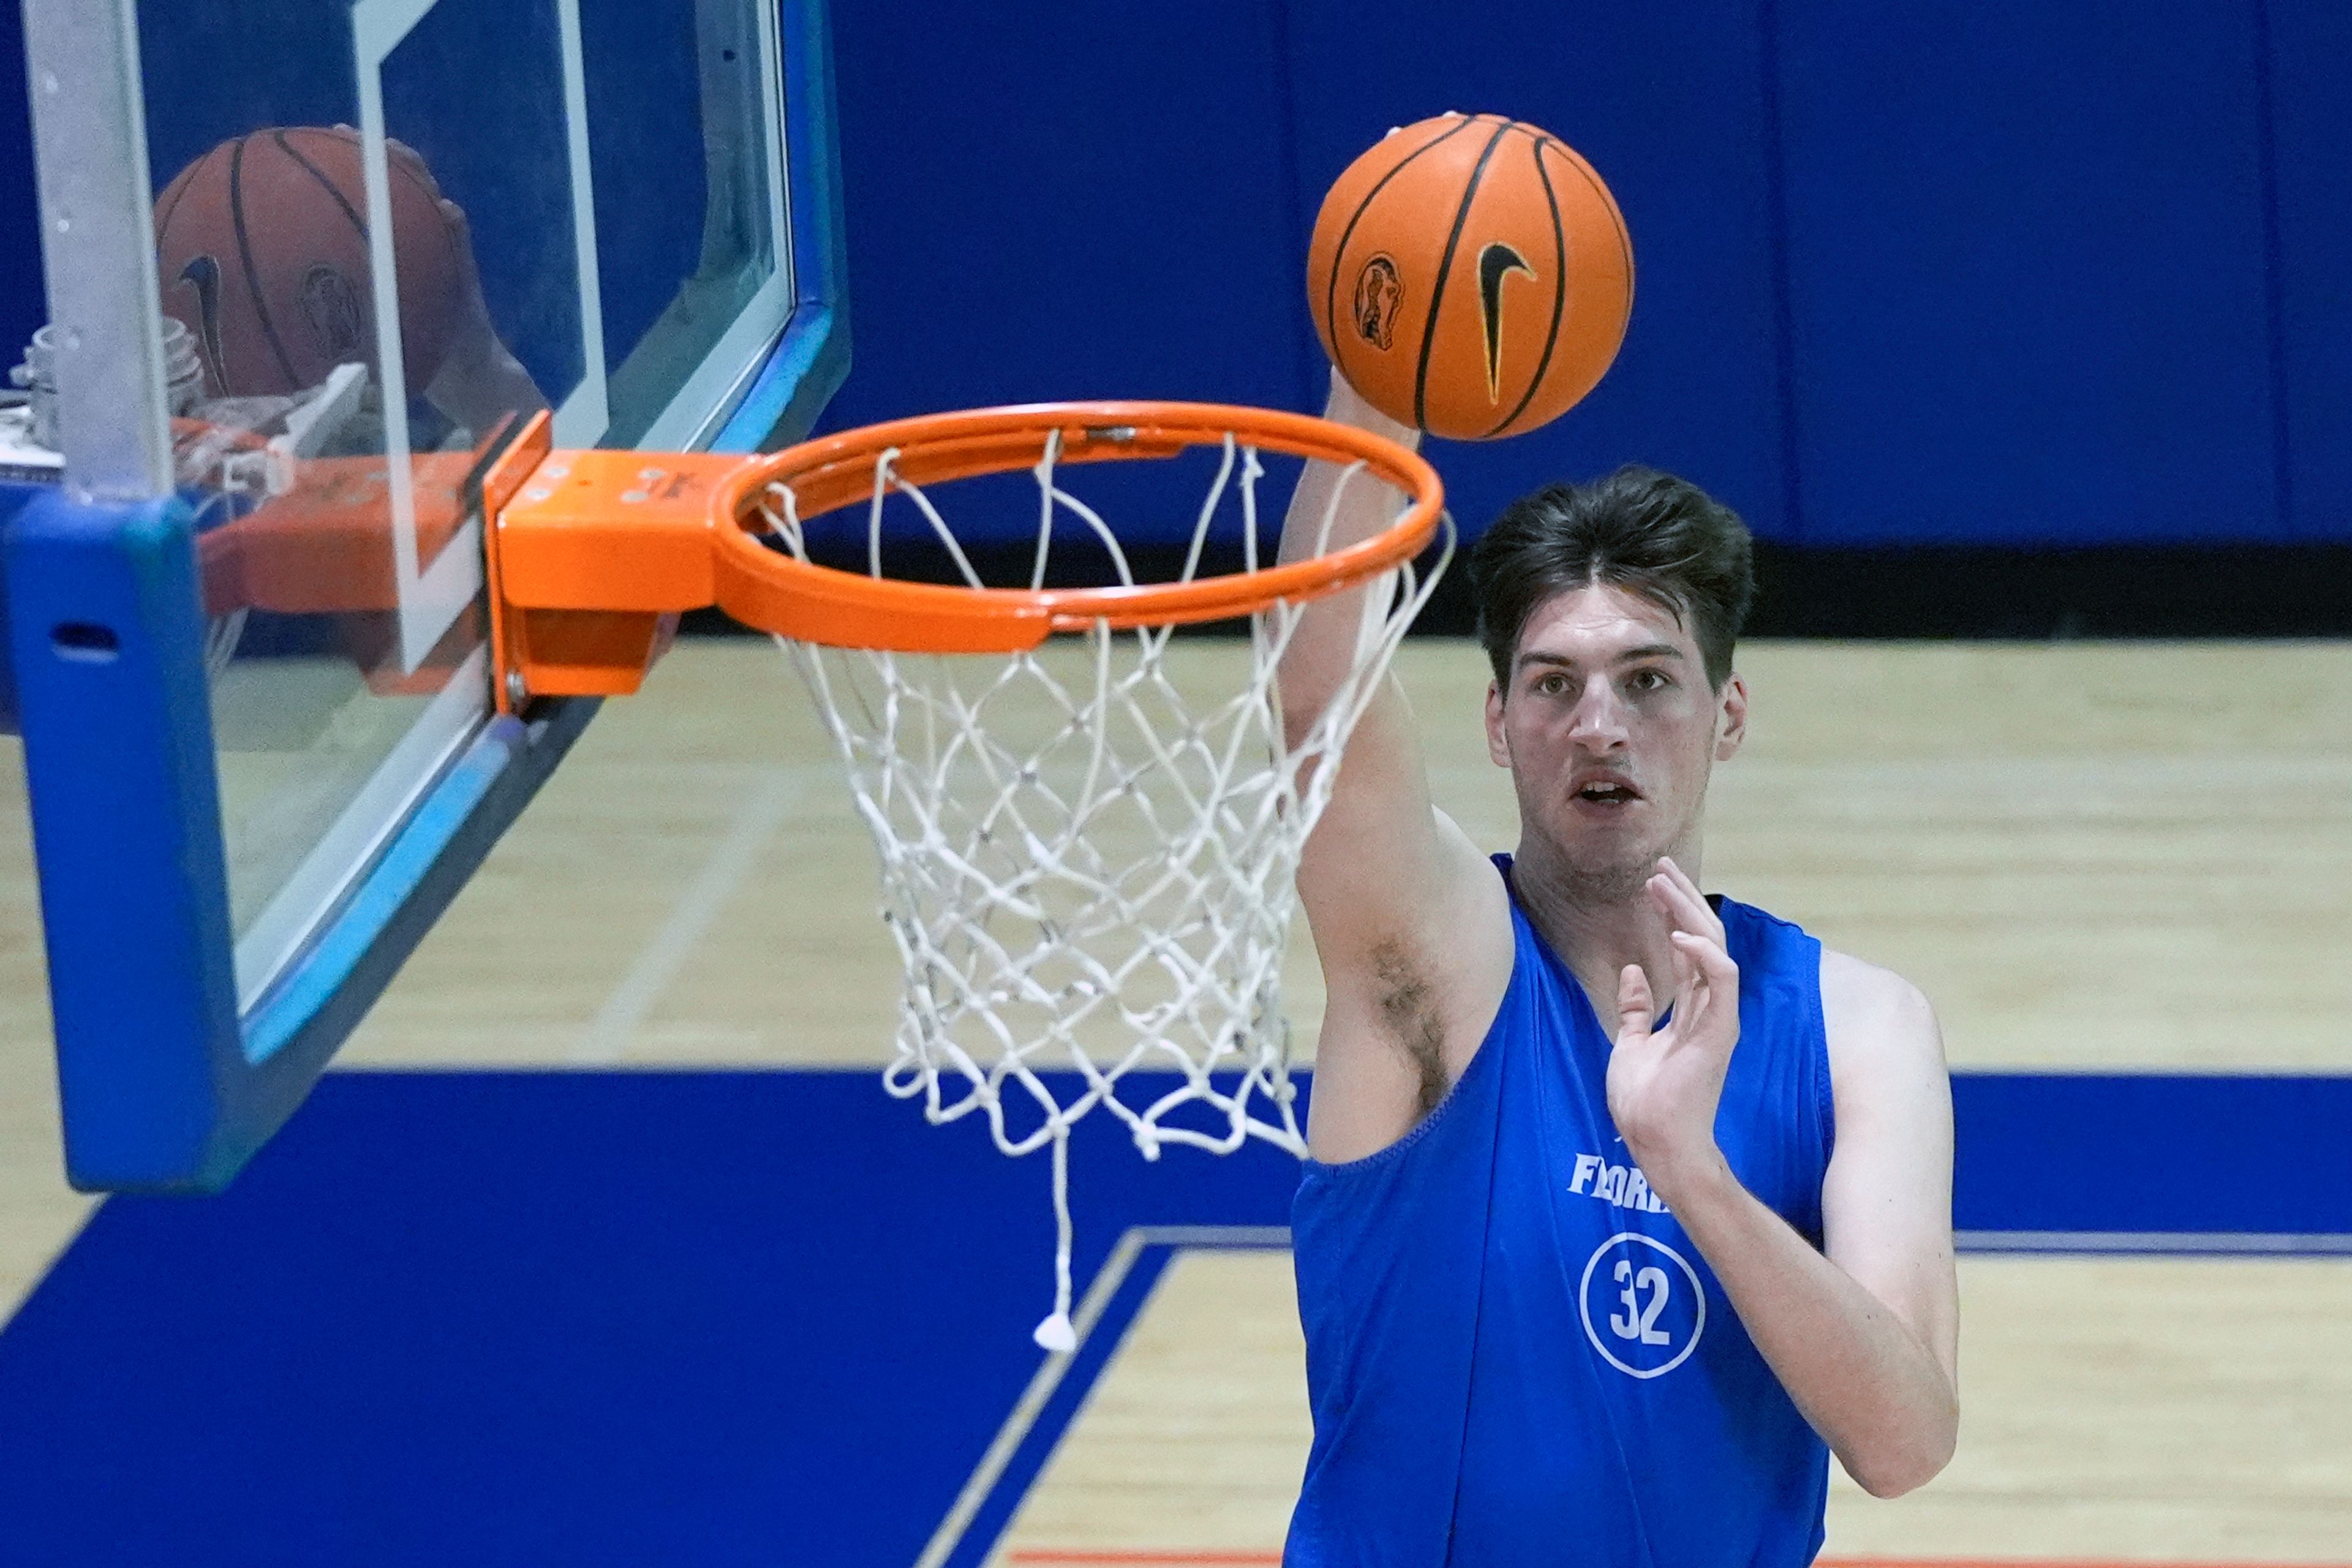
(1610, 731)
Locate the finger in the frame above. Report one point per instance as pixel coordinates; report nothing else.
(1635, 1006)
(1688, 1001)
(1713, 964)
(1681, 906)
(1683, 879)
(1690, 980)
(414, 161)
(1680, 878)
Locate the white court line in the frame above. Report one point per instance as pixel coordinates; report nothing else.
(607, 1037)
(1129, 1249)
(1032, 1402)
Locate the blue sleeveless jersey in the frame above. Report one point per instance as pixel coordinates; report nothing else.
(1514, 1354)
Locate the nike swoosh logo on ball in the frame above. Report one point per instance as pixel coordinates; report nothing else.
(203, 274)
(1497, 260)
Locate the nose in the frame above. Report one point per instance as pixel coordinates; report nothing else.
(1599, 722)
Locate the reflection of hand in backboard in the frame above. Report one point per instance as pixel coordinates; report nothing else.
(479, 381)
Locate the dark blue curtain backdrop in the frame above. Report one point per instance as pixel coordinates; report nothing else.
(1958, 272)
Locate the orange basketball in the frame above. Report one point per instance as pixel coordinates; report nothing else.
(1471, 275)
(261, 249)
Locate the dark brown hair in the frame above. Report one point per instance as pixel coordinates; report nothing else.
(1639, 530)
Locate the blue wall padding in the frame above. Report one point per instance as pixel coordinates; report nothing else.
(1049, 202)
(1959, 276)
(647, 193)
(21, 306)
(1667, 104)
(2026, 269)
(2005, 274)
(2311, 87)
(743, 1318)
(205, 81)
(477, 143)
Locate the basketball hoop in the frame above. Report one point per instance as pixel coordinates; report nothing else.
(1087, 851)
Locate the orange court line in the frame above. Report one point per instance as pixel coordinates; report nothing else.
(1041, 1556)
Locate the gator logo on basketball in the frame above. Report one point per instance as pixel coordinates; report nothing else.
(1379, 293)
(332, 306)
(1496, 261)
(203, 273)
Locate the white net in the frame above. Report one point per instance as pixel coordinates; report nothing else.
(1087, 850)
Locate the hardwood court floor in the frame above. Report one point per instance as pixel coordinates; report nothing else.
(2089, 855)
(2109, 857)
(2154, 1409)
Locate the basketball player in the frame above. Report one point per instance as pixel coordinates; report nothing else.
(1625, 1205)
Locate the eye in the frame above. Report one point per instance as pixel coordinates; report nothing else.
(1551, 685)
(1651, 680)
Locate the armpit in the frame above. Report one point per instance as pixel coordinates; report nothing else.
(1408, 1008)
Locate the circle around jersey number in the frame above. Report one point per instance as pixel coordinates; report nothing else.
(1641, 1293)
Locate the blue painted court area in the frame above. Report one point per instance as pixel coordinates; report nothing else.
(2153, 1162)
(707, 1317)
(737, 1318)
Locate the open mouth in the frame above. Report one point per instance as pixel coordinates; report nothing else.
(1604, 791)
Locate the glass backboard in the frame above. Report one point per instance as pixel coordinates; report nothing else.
(377, 233)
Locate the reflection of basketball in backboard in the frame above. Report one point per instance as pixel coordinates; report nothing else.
(1470, 275)
(262, 252)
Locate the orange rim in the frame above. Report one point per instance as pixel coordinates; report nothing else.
(761, 587)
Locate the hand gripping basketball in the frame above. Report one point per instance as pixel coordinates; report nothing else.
(1471, 276)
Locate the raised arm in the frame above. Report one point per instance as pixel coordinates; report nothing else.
(1411, 923)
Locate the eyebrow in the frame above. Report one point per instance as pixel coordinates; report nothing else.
(1631, 656)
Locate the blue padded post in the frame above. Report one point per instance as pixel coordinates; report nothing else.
(107, 630)
(15, 494)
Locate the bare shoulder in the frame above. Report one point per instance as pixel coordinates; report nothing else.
(1876, 1020)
